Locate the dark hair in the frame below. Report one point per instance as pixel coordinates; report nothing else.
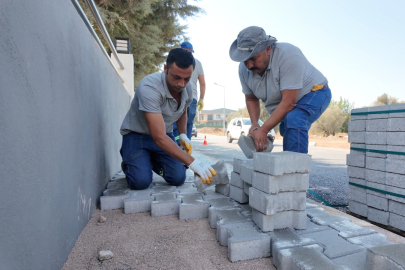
(181, 57)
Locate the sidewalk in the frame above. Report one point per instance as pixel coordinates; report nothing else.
(139, 241)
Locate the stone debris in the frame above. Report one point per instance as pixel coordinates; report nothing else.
(105, 255)
(102, 219)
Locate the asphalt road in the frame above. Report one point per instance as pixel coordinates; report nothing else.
(328, 178)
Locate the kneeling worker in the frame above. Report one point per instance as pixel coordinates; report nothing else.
(148, 142)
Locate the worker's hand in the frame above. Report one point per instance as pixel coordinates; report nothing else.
(260, 138)
(186, 143)
(205, 171)
(254, 127)
(200, 105)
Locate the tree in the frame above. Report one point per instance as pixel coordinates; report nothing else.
(151, 25)
(346, 108)
(385, 99)
(330, 121)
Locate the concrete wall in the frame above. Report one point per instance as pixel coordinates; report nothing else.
(61, 106)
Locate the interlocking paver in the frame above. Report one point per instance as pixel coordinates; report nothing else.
(165, 204)
(281, 163)
(274, 184)
(140, 201)
(224, 216)
(386, 257)
(280, 220)
(238, 194)
(193, 207)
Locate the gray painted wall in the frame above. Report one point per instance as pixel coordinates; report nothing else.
(61, 106)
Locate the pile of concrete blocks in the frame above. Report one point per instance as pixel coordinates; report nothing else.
(241, 180)
(376, 164)
(277, 195)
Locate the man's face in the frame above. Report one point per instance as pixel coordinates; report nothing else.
(177, 78)
(259, 62)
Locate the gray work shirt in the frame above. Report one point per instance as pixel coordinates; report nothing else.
(288, 69)
(198, 70)
(152, 95)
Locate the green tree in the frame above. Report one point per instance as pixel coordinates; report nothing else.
(346, 107)
(385, 99)
(330, 121)
(152, 26)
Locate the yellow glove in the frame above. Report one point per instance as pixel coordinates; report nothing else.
(205, 171)
(200, 105)
(186, 143)
(317, 87)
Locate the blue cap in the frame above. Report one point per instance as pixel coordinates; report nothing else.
(187, 45)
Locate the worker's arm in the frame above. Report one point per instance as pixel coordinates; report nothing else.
(288, 101)
(200, 104)
(182, 122)
(253, 107)
(182, 127)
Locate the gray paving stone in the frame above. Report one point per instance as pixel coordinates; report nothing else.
(376, 186)
(397, 221)
(396, 148)
(396, 190)
(398, 106)
(223, 216)
(312, 227)
(377, 147)
(246, 173)
(377, 164)
(236, 180)
(247, 145)
(395, 166)
(311, 205)
(386, 257)
(321, 217)
(396, 207)
(113, 199)
(348, 229)
(357, 137)
(270, 204)
(237, 162)
(335, 246)
(281, 163)
(280, 220)
(359, 117)
(140, 201)
(275, 184)
(117, 184)
(358, 181)
(356, 172)
(225, 231)
(357, 125)
(223, 189)
(396, 124)
(306, 257)
(356, 160)
(220, 203)
(356, 261)
(369, 241)
(165, 204)
(191, 191)
(377, 125)
(157, 189)
(396, 138)
(377, 202)
(379, 109)
(376, 176)
(221, 176)
(357, 194)
(377, 215)
(358, 208)
(246, 187)
(193, 207)
(238, 194)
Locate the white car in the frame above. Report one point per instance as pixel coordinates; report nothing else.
(240, 126)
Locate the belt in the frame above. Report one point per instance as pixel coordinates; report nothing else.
(319, 87)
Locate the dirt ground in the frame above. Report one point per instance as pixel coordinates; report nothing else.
(338, 141)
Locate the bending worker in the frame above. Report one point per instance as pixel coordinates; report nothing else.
(294, 92)
(148, 142)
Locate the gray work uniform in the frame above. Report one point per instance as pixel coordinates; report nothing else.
(198, 70)
(152, 95)
(288, 69)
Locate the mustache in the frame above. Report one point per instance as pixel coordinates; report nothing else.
(253, 68)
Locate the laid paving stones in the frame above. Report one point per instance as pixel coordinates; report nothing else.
(113, 198)
(193, 207)
(139, 202)
(386, 257)
(356, 261)
(224, 216)
(165, 204)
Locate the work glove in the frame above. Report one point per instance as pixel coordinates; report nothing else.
(200, 104)
(205, 171)
(186, 143)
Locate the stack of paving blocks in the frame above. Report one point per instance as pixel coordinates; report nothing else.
(376, 164)
(277, 195)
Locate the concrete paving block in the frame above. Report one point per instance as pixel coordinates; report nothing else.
(221, 176)
(270, 204)
(359, 117)
(397, 106)
(306, 257)
(193, 207)
(221, 203)
(310, 205)
(236, 180)
(186, 186)
(396, 190)
(140, 201)
(378, 109)
(280, 220)
(357, 194)
(380, 147)
(348, 229)
(371, 240)
(396, 148)
(335, 246)
(358, 208)
(192, 191)
(356, 160)
(356, 261)
(377, 202)
(376, 176)
(396, 138)
(238, 194)
(275, 184)
(376, 186)
(113, 199)
(225, 231)
(247, 145)
(223, 216)
(397, 221)
(356, 172)
(320, 217)
(223, 189)
(158, 189)
(165, 204)
(357, 125)
(396, 207)
(358, 181)
(377, 164)
(357, 137)
(357, 145)
(377, 125)
(237, 162)
(246, 173)
(395, 166)
(247, 244)
(396, 124)
(377, 215)
(246, 188)
(375, 137)
(312, 227)
(118, 183)
(386, 257)
(281, 163)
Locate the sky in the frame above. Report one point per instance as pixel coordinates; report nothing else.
(357, 44)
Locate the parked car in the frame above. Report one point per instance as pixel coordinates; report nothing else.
(240, 126)
(194, 131)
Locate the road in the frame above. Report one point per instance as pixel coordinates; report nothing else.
(328, 178)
